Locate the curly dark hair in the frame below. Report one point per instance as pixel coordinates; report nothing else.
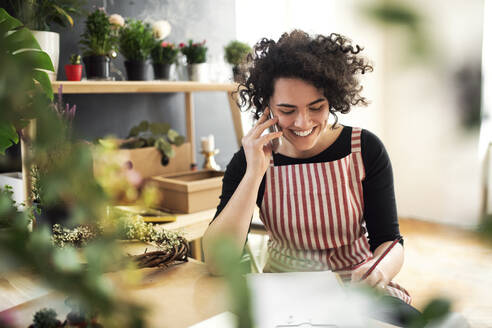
(329, 63)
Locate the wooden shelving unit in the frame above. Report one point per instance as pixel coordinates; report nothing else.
(185, 87)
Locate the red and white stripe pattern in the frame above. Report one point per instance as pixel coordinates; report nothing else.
(313, 213)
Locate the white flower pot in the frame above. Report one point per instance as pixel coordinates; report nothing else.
(49, 43)
(198, 72)
(14, 179)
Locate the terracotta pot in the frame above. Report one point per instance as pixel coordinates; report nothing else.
(73, 72)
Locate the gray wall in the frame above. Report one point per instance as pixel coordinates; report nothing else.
(100, 115)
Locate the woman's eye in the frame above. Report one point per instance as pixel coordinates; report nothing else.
(316, 108)
(287, 113)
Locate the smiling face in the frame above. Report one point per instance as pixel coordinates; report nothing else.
(302, 112)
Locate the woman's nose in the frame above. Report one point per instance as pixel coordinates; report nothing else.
(303, 119)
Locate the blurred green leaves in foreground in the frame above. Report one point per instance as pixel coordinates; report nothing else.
(66, 174)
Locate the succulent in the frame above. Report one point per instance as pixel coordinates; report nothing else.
(75, 59)
(158, 135)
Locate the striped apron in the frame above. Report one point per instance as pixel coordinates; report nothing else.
(313, 213)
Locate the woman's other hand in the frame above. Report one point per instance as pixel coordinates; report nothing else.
(377, 278)
(257, 147)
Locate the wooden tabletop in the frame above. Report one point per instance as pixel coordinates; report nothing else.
(179, 296)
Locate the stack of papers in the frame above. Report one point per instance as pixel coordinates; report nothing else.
(302, 299)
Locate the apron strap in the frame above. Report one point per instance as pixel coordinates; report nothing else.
(355, 140)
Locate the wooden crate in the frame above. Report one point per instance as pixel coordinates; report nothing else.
(147, 161)
(191, 191)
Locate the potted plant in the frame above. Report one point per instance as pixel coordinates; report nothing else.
(136, 41)
(151, 148)
(73, 71)
(235, 53)
(99, 41)
(164, 54)
(196, 56)
(40, 15)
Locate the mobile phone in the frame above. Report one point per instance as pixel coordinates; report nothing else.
(274, 128)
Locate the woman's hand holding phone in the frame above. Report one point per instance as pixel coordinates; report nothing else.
(258, 146)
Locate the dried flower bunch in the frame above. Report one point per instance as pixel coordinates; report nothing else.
(136, 228)
(196, 53)
(172, 246)
(77, 237)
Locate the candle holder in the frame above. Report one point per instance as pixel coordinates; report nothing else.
(209, 162)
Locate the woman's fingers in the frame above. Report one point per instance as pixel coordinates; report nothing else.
(265, 140)
(259, 129)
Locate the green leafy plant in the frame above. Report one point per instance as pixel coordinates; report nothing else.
(100, 37)
(196, 53)
(45, 318)
(21, 59)
(164, 53)
(75, 59)
(72, 181)
(236, 51)
(158, 135)
(136, 40)
(42, 14)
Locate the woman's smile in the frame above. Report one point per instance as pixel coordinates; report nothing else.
(303, 133)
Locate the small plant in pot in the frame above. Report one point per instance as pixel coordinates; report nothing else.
(235, 53)
(40, 16)
(100, 40)
(73, 71)
(164, 54)
(196, 56)
(158, 135)
(135, 43)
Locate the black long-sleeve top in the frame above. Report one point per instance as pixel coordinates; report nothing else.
(379, 197)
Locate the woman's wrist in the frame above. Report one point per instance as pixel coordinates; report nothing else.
(254, 177)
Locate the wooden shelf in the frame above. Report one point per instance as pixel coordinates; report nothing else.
(91, 87)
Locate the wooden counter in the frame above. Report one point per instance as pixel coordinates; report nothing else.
(176, 297)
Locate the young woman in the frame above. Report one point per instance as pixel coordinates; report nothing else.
(326, 194)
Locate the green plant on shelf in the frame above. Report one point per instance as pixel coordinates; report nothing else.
(164, 53)
(236, 52)
(136, 40)
(196, 53)
(100, 37)
(75, 59)
(42, 14)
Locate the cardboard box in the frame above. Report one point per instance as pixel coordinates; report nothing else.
(189, 192)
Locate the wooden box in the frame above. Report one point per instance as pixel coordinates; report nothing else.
(189, 192)
(147, 161)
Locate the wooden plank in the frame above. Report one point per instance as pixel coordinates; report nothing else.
(190, 124)
(236, 117)
(71, 87)
(29, 132)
